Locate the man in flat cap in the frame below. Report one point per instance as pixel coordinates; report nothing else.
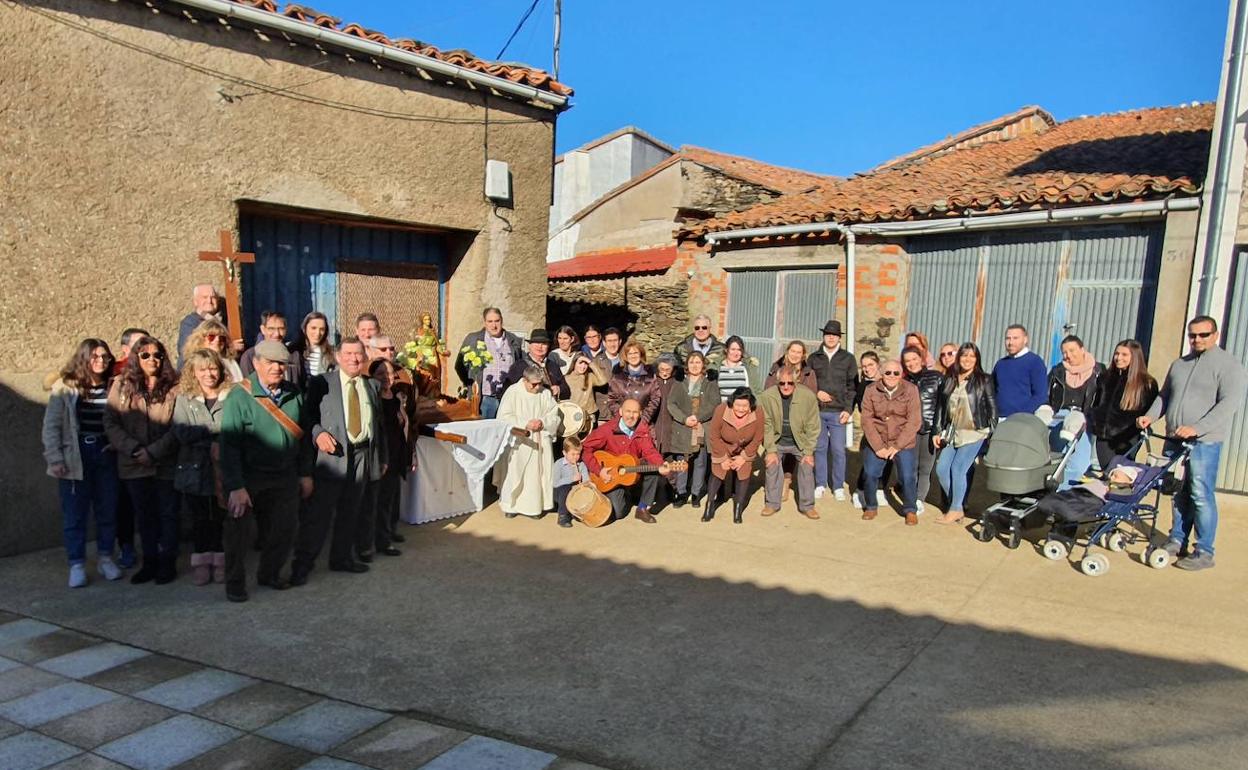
(266, 466)
(537, 355)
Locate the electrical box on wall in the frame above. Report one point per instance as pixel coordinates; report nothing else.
(497, 181)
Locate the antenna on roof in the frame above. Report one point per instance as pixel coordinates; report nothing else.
(558, 34)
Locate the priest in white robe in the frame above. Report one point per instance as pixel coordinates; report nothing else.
(524, 474)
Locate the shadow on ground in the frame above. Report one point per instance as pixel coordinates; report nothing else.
(639, 667)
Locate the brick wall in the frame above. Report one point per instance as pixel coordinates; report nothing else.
(883, 278)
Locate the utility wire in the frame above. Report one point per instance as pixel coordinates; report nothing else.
(516, 31)
(265, 88)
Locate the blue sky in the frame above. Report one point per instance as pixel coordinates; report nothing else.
(829, 86)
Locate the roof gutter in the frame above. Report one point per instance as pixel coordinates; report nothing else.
(374, 49)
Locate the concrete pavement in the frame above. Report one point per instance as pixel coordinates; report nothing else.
(780, 643)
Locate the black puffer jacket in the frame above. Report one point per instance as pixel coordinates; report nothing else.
(928, 382)
(1062, 396)
(983, 397)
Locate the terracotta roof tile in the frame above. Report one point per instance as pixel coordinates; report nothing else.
(1101, 159)
(612, 264)
(517, 73)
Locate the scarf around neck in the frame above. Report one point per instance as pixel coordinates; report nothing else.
(1078, 376)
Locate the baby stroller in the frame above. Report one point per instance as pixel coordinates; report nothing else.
(1023, 468)
(1080, 518)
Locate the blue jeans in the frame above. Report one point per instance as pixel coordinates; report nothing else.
(156, 506)
(831, 439)
(1194, 503)
(953, 471)
(96, 493)
(692, 481)
(1080, 459)
(489, 406)
(905, 463)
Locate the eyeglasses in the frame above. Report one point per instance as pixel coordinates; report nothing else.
(787, 383)
(146, 355)
(211, 337)
(893, 372)
(701, 328)
(1199, 335)
(948, 353)
(384, 349)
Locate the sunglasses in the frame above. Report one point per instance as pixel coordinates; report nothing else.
(894, 372)
(1199, 335)
(388, 348)
(700, 328)
(948, 353)
(145, 356)
(211, 337)
(787, 383)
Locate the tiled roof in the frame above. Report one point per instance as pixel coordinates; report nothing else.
(612, 264)
(778, 178)
(517, 73)
(1124, 156)
(1028, 120)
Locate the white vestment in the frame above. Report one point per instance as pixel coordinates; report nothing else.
(525, 472)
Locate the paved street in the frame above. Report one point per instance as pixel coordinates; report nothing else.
(783, 643)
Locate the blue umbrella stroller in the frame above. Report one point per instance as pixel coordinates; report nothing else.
(1123, 516)
(1022, 468)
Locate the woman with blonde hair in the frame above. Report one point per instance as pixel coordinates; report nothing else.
(197, 424)
(212, 335)
(794, 359)
(584, 375)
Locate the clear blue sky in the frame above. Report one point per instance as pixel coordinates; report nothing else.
(825, 85)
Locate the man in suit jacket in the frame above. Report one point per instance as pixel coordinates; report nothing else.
(344, 417)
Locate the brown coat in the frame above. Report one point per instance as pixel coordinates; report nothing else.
(728, 440)
(663, 419)
(891, 421)
(133, 423)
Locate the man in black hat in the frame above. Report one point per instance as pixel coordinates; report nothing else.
(836, 377)
(539, 346)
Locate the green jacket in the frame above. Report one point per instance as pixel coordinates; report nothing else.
(254, 446)
(803, 419)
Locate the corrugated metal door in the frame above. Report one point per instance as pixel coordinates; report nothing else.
(1233, 473)
(1098, 282)
(297, 265)
(768, 308)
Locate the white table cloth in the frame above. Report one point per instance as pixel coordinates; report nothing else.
(450, 478)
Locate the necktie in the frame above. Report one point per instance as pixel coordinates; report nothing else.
(353, 409)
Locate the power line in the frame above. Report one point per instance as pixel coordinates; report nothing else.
(265, 88)
(516, 31)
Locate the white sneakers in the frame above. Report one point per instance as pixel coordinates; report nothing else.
(108, 569)
(880, 497)
(839, 494)
(819, 492)
(919, 508)
(77, 575)
(857, 500)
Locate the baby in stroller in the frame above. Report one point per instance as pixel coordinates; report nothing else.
(1027, 458)
(1096, 511)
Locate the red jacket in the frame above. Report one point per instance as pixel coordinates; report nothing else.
(608, 436)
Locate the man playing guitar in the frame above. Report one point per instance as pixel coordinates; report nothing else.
(626, 435)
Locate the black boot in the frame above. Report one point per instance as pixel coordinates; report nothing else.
(166, 569)
(740, 498)
(146, 573)
(712, 499)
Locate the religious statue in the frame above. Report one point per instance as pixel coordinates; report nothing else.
(424, 357)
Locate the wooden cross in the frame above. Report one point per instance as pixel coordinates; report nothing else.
(230, 260)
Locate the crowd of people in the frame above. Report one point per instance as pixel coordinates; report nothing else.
(290, 446)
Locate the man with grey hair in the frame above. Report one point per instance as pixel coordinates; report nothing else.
(505, 350)
(207, 305)
(525, 473)
(380, 346)
(702, 341)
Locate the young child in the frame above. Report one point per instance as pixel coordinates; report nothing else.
(569, 470)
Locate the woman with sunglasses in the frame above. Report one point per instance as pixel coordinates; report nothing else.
(966, 411)
(81, 460)
(138, 422)
(212, 335)
(946, 358)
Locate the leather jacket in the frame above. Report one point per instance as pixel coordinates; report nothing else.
(928, 382)
(982, 395)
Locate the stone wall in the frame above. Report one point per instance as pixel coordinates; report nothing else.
(118, 166)
(654, 310)
(707, 190)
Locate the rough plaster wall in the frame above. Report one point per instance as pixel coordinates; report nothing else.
(643, 215)
(715, 193)
(117, 167)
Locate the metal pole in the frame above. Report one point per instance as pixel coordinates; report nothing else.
(558, 35)
(1222, 169)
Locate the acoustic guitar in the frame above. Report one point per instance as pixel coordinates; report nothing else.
(625, 470)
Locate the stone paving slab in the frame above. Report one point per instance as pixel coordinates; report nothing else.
(7, 728)
(250, 752)
(400, 744)
(46, 705)
(480, 753)
(169, 743)
(322, 726)
(21, 630)
(24, 680)
(32, 751)
(256, 706)
(8, 665)
(329, 763)
(47, 646)
(88, 762)
(92, 660)
(106, 722)
(140, 674)
(193, 690)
